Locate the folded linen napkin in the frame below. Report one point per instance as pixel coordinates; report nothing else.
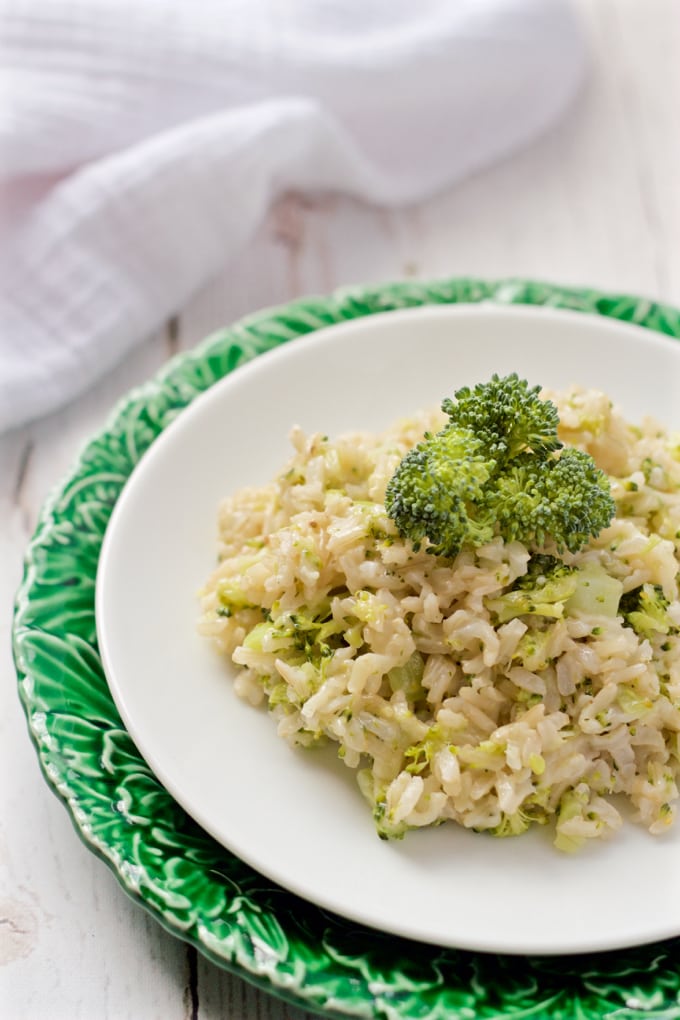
(140, 144)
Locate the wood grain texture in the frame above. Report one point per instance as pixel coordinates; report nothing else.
(594, 201)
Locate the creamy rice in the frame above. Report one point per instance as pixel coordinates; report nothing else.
(399, 657)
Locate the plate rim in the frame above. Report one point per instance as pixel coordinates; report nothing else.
(344, 982)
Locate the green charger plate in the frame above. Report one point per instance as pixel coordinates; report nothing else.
(193, 886)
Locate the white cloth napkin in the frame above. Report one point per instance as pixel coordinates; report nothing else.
(141, 143)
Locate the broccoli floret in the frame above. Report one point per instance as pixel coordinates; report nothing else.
(507, 417)
(498, 468)
(436, 490)
(566, 498)
(645, 609)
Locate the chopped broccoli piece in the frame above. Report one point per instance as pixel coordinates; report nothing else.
(231, 597)
(552, 589)
(645, 609)
(374, 792)
(279, 694)
(572, 806)
(543, 591)
(408, 678)
(306, 634)
(420, 755)
(487, 754)
(542, 569)
(254, 639)
(533, 810)
(498, 468)
(512, 825)
(532, 652)
(597, 592)
(632, 703)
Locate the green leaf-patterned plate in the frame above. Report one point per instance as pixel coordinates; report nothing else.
(192, 885)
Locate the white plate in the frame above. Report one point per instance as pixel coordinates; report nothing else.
(297, 816)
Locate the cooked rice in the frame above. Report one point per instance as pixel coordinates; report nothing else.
(351, 636)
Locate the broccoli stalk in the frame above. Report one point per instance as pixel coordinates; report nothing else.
(498, 468)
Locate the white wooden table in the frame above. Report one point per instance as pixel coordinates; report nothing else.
(596, 201)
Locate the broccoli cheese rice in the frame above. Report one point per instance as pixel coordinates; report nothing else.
(501, 689)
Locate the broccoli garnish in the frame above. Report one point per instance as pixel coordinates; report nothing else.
(498, 468)
(506, 416)
(435, 489)
(645, 609)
